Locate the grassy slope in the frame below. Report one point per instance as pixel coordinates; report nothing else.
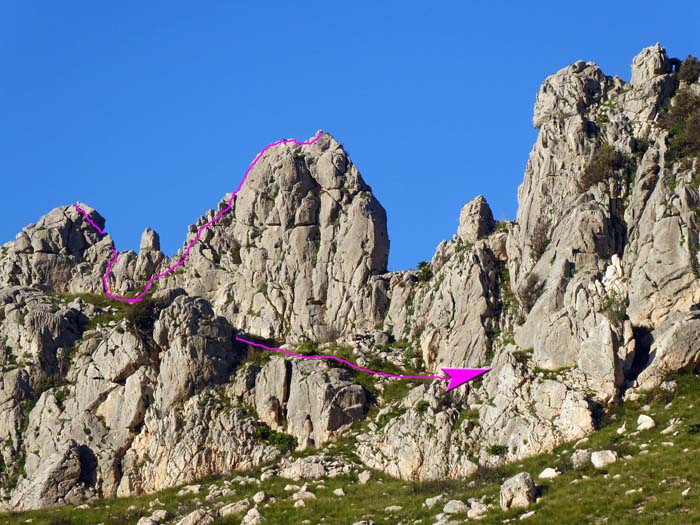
(599, 496)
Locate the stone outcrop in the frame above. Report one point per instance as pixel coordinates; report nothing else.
(451, 311)
(150, 241)
(56, 483)
(296, 255)
(518, 491)
(311, 401)
(475, 220)
(675, 348)
(62, 251)
(421, 442)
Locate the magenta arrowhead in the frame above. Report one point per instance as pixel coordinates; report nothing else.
(459, 376)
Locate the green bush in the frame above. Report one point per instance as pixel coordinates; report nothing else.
(307, 348)
(425, 271)
(690, 69)
(497, 450)
(60, 396)
(615, 308)
(523, 356)
(282, 441)
(508, 300)
(422, 406)
(141, 315)
(606, 160)
(682, 120)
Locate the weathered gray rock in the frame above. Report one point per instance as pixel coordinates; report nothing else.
(449, 316)
(581, 458)
(477, 509)
(296, 256)
(36, 330)
(197, 350)
(150, 240)
(317, 402)
(518, 491)
(158, 517)
(234, 508)
(198, 517)
(590, 291)
(253, 517)
(475, 220)
(313, 467)
(189, 443)
(549, 473)
(651, 62)
(62, 251)
(454, 506)
(420, 445)
(529, 415)
(323, 403)
(603, 458)
(674, 348)
(644, 422)
(57, 482)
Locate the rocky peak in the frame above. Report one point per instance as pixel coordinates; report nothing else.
(150, 240)
(306, 235)
(569, 92)
(475, 220)
(60, 251)
(649, 63)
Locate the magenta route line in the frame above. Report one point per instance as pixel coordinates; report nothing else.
(184, 258)
(334, 358)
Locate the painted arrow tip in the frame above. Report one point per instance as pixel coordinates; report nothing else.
(459, 376)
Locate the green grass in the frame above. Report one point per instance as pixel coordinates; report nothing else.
(599, 496)
(140, 314)
(99, 301)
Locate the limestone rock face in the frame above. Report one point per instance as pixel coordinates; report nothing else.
(584, 259)
(36, 330)
(150, 240)
(528, 414)
(66, 253)
(322, 403)
(420, 443)
(675, 348)
(651, 62)
(451, 314)
(103, 400)
(317, 402)
(62, 251)
(196, 440)
(196, 350)
(475, 220)
(295, 255)
(57, 483)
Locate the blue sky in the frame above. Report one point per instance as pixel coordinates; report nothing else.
(151, 111)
